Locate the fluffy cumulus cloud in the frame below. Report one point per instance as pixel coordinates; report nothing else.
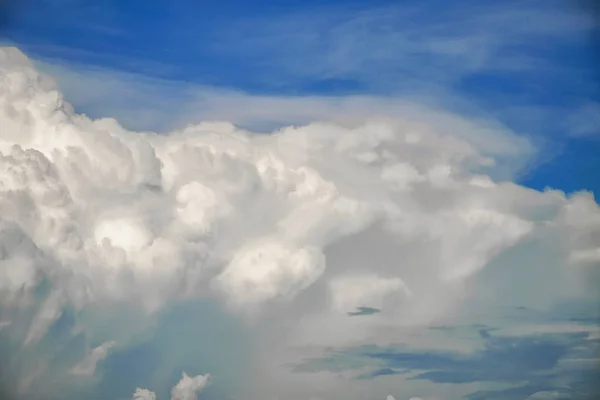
(188, 388)
(289, 231)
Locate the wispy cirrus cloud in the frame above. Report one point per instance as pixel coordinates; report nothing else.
(406, 45)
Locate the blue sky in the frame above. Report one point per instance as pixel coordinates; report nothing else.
(528, 64)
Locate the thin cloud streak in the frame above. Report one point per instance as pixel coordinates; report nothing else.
(400, 46)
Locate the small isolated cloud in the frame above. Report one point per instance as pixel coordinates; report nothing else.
(188, 388)
(364, 311)
(87, 366)
(143, 394)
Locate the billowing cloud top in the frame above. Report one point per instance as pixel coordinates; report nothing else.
(311, 221)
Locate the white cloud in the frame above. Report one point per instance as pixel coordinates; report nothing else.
(264, 270)
(143, 394)
(188, 388)
(87, 366)
(166, 104)
(403, 211)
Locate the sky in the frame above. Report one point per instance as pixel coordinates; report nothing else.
(529, 65)
(299, 199)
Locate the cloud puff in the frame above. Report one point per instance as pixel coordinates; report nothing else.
(143, 394)
(266, 270)
(188, 388)
(298, 226)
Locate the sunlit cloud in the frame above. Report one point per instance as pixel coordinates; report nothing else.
(238, 253)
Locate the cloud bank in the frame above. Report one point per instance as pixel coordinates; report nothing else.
(103, 230)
